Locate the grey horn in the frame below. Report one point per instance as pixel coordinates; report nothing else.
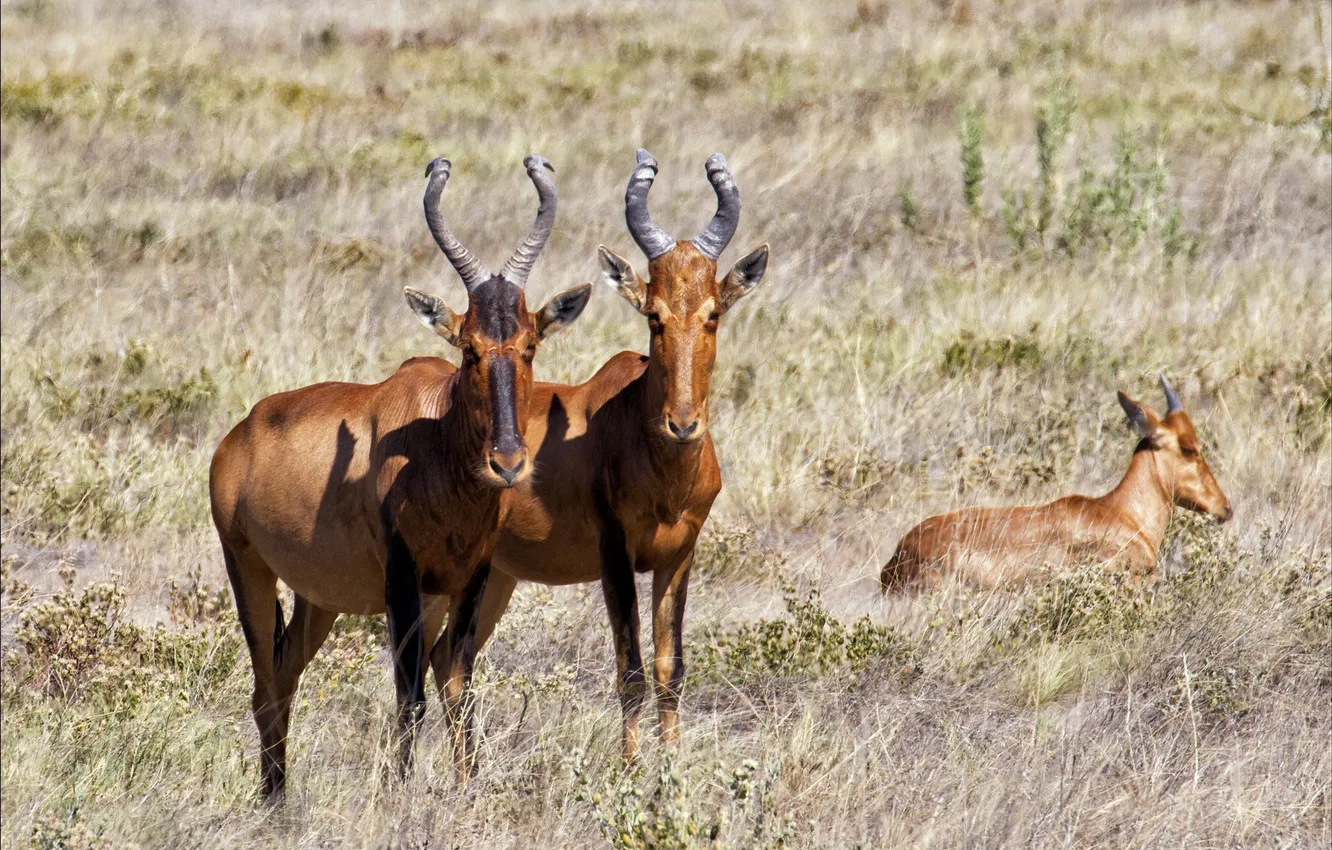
(1172, 397)
(651, 239)
(520, 264)
(472, 271)
(717, 235)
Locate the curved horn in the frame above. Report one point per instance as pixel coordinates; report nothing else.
(1172, 397)
(472, 271)
(520, 264)
(651, 239)
(717, 235)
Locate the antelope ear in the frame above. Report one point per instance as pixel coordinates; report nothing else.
(744, 276)
(1142, 419)
(435, 314)
(562, 309)
(620, 276)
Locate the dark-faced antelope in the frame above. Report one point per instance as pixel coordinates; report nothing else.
(626, 470)
(363, 497)
(996, 546)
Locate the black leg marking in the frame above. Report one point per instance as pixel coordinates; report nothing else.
(402, 599)
(279, 632)
(460, 637)
(617, 585)
(263, 702)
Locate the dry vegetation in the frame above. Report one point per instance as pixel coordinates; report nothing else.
(985, 217)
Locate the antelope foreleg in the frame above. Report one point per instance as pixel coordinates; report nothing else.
(670, 586)
(617, 585)
(494, 602)
(402, 600)
(455, 652)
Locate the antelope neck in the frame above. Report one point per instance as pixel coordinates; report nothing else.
(1145, 497)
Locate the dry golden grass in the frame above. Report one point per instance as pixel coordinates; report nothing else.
(204, 204)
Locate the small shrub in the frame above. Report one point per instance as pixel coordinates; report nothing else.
(812, 642)
(970, 353)
(194, 602)
(82, 647)
(1083, 601)
(735, 552)
(680, 813)
(906, 205)
(50, 832)
(1053, 122)
(971, 132)
(1213, 692)
(131, 388)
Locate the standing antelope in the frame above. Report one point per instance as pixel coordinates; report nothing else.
(993, 546)
(626, 470)
(363, 497)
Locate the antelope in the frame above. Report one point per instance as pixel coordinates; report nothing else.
(995, 546)
(626, 468)
(361, 498)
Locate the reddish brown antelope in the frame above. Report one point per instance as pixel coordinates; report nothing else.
(363, 497)
(995, 546)
(626, 470)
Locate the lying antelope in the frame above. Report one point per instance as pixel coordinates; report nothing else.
(363, 497)
(626, 470)
(994, 546)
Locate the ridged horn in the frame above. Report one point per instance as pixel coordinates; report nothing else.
(520, 264)
(1172, 397)
(472, 271)
(651, 239)
(717, 235)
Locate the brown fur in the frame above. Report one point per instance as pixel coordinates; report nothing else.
(362, 498)
(993, 547)
(609, 464)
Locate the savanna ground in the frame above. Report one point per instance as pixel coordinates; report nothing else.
(984, 218)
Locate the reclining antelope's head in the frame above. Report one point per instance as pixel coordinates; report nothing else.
(497, 335)
(1177, 456)
(683, 300)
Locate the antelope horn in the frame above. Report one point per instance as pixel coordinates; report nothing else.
(717, 235)
(651, 239)
(520, 264)
(1172, 397)
(472, 271)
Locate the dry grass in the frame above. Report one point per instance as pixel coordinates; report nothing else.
(204, 205)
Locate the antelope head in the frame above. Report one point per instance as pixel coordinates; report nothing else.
(683, 300)
(1178, 459)
(498, 336)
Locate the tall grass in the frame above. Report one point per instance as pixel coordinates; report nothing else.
(984, 219)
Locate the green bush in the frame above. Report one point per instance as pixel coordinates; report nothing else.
(682, 812)
(810, 643)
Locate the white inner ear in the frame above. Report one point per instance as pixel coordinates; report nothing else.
(624, 281)
(614, 278)
(427, 319)
(428, 308)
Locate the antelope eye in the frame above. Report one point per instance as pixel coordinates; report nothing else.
(470, 356)
(713, 318)
(654, 321)
(1188, 451)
